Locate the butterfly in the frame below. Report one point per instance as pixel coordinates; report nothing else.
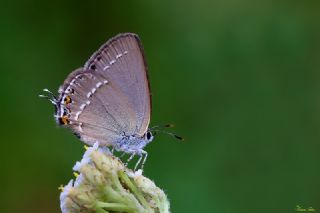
(108, 99)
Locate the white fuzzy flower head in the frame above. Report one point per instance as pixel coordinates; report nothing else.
(64, 196)
(106, 185)
(86, 157)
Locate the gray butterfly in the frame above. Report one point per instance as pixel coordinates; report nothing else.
(108, 100)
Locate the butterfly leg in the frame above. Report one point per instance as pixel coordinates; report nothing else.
(141, 153)
(145, 158)
(138, 162)
(130, 158)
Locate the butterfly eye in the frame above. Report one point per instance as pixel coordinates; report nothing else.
(149, 136)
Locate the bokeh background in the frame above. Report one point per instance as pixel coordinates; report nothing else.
(239, 79)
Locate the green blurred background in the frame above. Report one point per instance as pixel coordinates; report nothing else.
(239, 79)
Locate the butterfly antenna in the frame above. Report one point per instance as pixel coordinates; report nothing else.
(52, 98)
(168, 133)
(162, 126)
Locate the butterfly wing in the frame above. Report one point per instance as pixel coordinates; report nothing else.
(94, 108)
(121, 60)
(110, 95)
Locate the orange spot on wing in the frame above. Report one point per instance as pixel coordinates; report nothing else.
(67, 100)
(64, 120)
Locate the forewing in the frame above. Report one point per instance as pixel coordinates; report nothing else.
(121, 61)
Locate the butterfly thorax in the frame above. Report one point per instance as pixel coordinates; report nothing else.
(133, 143)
